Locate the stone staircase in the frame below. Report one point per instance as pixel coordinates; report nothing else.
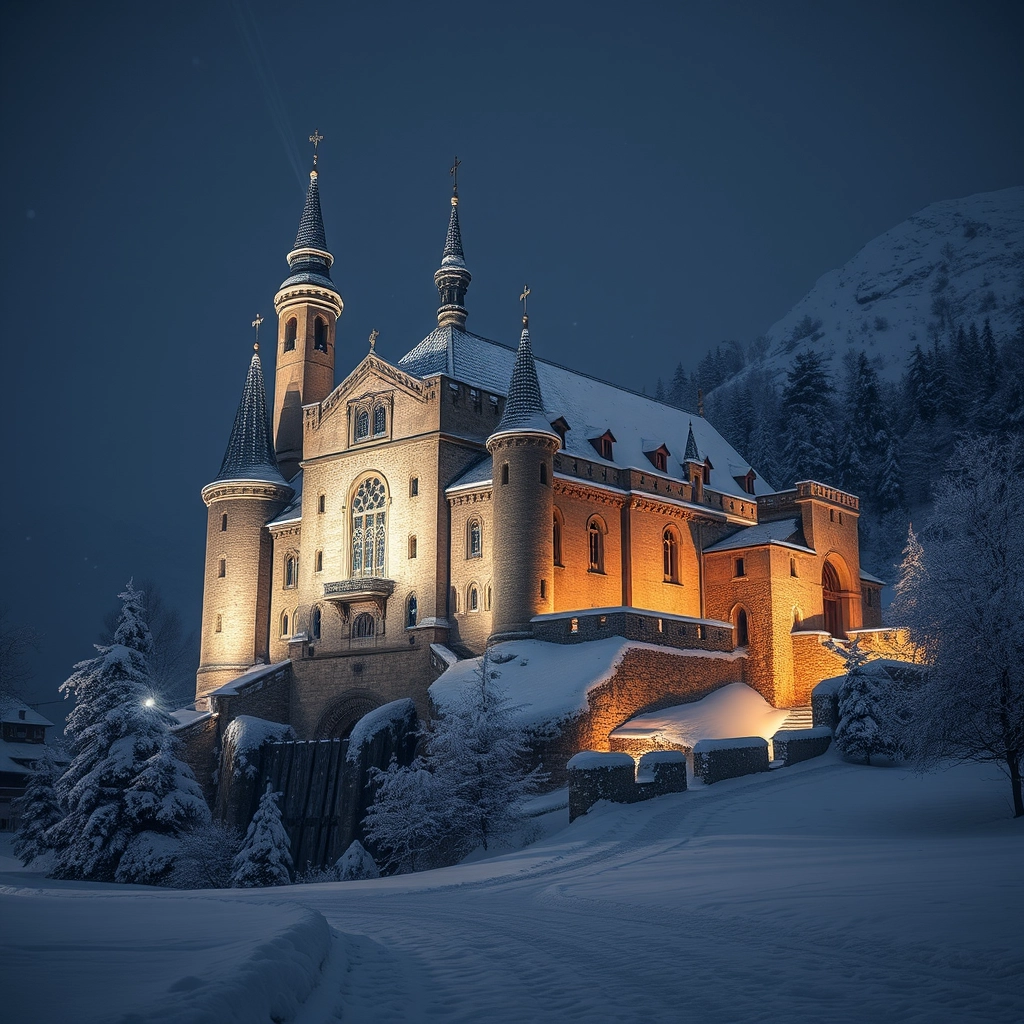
(799, 718)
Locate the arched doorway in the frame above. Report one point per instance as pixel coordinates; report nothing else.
(830, 599)
(338, 719)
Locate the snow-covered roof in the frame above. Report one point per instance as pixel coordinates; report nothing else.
(867, 577)
(16, 713)
(19, 757)
(481, 472)
(292, 512)
(188, 716)
(733, 710)
(785, 532)
(247, 678)
(590, 406)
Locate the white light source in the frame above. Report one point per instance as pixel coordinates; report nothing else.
(150, 702)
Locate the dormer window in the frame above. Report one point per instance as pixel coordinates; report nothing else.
(658, 457)
(746, 481)
(362, 424)
(561, 428)
(380, 420)
(603, 445)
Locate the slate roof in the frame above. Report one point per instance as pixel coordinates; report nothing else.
(787, 532)
(250, 452)
(14, 712)
(589, 406)
(691, 454)
(292, 512)
(308, 267)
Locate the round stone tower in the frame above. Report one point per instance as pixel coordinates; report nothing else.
(308, 308)
(522, 448)
(248, 491)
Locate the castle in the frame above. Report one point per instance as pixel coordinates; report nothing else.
(363, 536)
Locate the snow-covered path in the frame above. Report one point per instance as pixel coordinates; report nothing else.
(826, 891)
(821, 892)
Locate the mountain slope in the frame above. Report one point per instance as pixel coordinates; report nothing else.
(955, 262)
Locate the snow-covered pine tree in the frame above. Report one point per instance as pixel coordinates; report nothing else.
(119, 742)
(38, 809)
(859, 734)
(206, 856)
(356, 863)
(265, 857)
(465, 790)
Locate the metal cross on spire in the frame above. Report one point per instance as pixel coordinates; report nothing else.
(256, 323)
(524, 297)
(316, 138)
(454, 172)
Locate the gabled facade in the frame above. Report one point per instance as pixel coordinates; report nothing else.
(469, 491)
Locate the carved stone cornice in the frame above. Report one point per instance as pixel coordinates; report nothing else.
(470, 497)
(261, 489)
(496, 442)
(588, 492)
(282, 530)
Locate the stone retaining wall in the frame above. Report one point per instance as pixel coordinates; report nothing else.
(715, 760)
(600, 775)
(794, 745)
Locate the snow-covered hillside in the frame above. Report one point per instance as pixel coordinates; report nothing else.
(955, 262)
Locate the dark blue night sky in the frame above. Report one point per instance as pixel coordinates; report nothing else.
(665, 176)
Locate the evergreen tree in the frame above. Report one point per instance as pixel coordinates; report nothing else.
(920, 385)
(115, 789)
(467, 788)
(889, 492)
(807, 416)
(680, 387)
(265, 857)
(38, 809)
(356, 863)
(859, 734)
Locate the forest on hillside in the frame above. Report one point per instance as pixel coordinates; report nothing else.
(886, 441)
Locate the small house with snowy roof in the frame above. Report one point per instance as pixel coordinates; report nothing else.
(366, 535)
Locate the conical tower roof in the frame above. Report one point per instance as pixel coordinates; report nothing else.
(524, 406)
(311, 227)
(250, 452)
(691, 454)
(453, 256)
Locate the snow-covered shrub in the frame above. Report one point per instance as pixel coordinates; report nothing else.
(315, 876)
(863, 695)
(124, 779)
(265, 857)
(206, 854)
(356, 863)
(37, 809)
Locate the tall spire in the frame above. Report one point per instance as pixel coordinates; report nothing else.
(524, 405)
(250, 452)
(452, 278)
(310, 255)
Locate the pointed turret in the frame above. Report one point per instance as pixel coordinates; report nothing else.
(522, 452)
(248, 491)
(452, 278)
(250, 452)
(691, 454)
(308, 307)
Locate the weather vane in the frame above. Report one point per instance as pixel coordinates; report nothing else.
(374, 335)
(454, 172)
(524, 297)
(316, 138)
(256, 323)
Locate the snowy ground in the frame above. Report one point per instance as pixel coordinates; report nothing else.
(821, 892)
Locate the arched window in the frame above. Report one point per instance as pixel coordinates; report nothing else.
(369, 528)
(320, 334)
(224, 523)
(410, 612)
(363, 626)
(315, 622)
(412, 546)
(556, 538)
(474, 543)
(595, 535)
(741, 632)
(487, 598)
(362, 424)
(380, 420)
(670, 554)
(284, 624)
(473, 598)
(319, 561)
(291, 571)
(504, 473)
(289, 334)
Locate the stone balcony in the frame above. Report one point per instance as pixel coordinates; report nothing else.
(373, 589)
